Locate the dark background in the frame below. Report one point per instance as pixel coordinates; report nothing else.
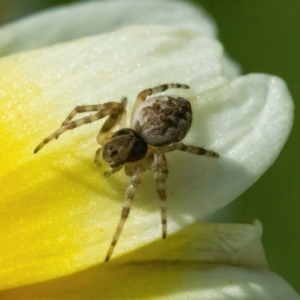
(263, 36)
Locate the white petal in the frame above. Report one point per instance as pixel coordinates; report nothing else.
(229, 283)
(247, 121)
(209, 244)
(208, 261)
(85, 19)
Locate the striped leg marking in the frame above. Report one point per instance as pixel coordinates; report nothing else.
(80, 109)
(190, 149)
(129, 195)
(160, 174)
(110, 108)
(112, 121)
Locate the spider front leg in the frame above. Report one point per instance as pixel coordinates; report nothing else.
(97, 158)
(112, 171)
(118, 118)
(160, 174)
(106, 132)
(129, 195)
(80, 109)
(106, 109)
(136, 170)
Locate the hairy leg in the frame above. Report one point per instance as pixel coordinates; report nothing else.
(190, 149)
(81, 109)
(106, 110)
(129, 195)
(112, 121)
(160, 174)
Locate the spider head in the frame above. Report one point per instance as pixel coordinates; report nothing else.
(124, 146)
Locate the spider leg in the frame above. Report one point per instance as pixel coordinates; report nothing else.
(97, 159)
(112, 171)
(190, 149)
(81, 109)
(129, 195)
(160, 174)
(136, 170)
(123, 119)
(141, 97)
(110, 108)
(105, 132)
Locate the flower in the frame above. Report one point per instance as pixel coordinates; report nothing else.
(59, 213)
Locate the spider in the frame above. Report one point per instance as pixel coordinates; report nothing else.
(158, 124)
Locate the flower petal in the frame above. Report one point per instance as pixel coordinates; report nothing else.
(247, 121)
(209, 269)
(61, 212)
(71, 22)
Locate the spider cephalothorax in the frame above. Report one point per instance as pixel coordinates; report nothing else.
(158, 124)
(124, 146)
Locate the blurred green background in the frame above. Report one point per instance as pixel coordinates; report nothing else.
(263, 36)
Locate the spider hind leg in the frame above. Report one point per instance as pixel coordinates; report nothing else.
(160, 174)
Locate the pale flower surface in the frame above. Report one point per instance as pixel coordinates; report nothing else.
(58, 213)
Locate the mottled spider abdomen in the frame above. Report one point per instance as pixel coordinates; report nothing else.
(163, 119)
